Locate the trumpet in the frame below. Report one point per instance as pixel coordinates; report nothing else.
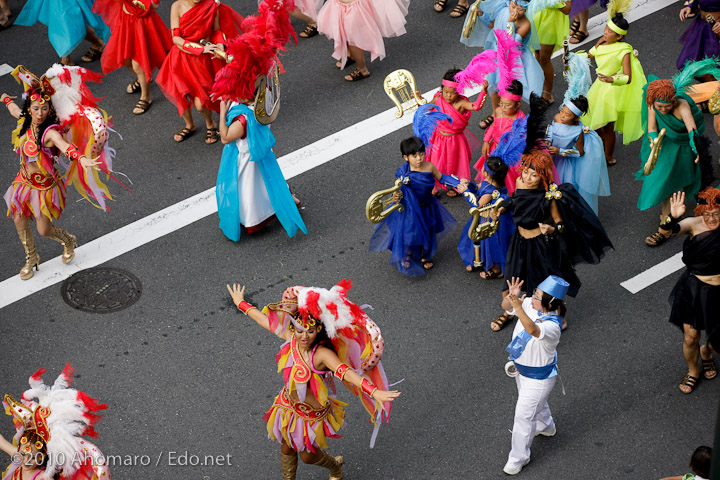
(655, 146)
(472, 20)
(379, 206)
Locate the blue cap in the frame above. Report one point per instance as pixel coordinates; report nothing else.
(554, 286)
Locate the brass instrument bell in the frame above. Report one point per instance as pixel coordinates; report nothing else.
(655, 146)
(381, 204)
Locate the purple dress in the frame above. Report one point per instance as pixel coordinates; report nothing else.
(580, 5)
(699, 40)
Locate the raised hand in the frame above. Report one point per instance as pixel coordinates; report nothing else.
(677, 204)
(237, 292)
(515, 286)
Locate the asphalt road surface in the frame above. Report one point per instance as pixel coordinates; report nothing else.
(187, 377)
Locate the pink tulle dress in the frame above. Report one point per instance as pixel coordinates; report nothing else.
(363, 24)
(452, 145)
(309, 7)
(492, 135)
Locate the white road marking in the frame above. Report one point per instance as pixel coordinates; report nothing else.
(5, 69)
(654, 274)
(174, 217)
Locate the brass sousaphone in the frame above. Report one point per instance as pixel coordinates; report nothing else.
(655, 146)
(381, 204)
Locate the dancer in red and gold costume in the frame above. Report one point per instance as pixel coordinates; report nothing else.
(51, 421)
(140, 41)
(198, 28)
(326, 335)
(59, 115)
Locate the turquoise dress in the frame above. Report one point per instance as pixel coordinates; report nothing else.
(66, 21)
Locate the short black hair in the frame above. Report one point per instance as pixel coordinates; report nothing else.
(496, 168)
(515, 87)
(620, 21)
(450, 74)
(411, 146)
(551, 304)
(581, 103)
(700, 461)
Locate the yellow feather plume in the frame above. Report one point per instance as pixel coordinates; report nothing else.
(618, 6)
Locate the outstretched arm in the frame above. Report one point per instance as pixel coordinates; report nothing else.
(237, 292)
(12, 107)
(331, 361)
(7, 447)
(54, 139)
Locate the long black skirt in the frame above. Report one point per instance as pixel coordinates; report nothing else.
(697, 304)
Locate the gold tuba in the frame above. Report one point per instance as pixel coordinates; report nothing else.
(655, 146)
(396, 87)
(378, 208)
(471, 19)
(481, 231)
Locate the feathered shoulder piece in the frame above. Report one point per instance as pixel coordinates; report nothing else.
(683, 80)
(71, 91)
(577, 76)
(509, 63)
(425, 122)
(59, 416)
(536, 123)
(479, 67)
(511, 145)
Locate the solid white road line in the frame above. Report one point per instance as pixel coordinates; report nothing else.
(5, 69)
(654, 274)
(203, 204)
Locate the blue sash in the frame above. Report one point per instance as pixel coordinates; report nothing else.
(517, 346)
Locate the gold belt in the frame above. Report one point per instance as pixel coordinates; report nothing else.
(37, 180)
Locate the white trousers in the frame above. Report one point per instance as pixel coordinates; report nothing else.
(532, 414)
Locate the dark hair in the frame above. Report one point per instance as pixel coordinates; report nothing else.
(551, 304)
(515, 88)
(411, 146)
(27, 119)
(700, 461)
(321, 337)
(496, 168)
(32, 437)
(450, 75)
(581, 103)
(620, 21)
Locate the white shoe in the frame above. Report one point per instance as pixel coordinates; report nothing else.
(547, 433)
(511, 469)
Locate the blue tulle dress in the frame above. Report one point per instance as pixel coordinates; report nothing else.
(260, 141)
(531, 76)
(493, 251)
(414, 233)
(588, 174)
(66, 21)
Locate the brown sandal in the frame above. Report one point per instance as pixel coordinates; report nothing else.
(142, 105)
(349, 61)
(656, 239)
(491, 275)
(133, 87)
(183, 134)
(439, 5)
(459, 11)
(499, 323)
(356, 76)
(709, 369)
(486, 122)
(211, 135)
(92, 55)
(688, 381)
(310, 31)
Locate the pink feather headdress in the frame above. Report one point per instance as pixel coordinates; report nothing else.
(476, 71)
(508, 59)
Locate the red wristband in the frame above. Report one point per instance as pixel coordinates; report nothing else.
(245, 307)
(73, 153)
(368, 387)
(341, 371)
(7, 100)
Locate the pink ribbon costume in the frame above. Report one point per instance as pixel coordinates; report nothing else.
(452, 144)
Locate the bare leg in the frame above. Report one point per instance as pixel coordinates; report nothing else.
(607, 133)
(310, 23)
(21, 222)
(357, 54)
(92, 37)
(209, 121)
(189, 124)
(543, 57)
(144, 86)
(691, 352)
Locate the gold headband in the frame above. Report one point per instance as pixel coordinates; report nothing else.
(615, 28)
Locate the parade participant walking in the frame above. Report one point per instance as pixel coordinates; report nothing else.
(615, 98)
(552, 24)
(139, 42)
(695, 299)
(47, 122)
(533, 349)
(700, 40)
(251, 189)
(198, 27)
(69, 22)
(669, 108)
(358, 26)
(51, 422)
(307, 11)
(324, 333)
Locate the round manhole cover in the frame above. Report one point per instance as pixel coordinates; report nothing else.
(101, 290)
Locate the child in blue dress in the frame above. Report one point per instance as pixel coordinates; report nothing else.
(493, 250)
(413, 234)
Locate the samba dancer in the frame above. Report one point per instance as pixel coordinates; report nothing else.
(139, 42)
(198, 28)
(695, 299)
(51, 422)
(669, 108)
(251, 189)
(533, 349)
(47, 121)
(324, 333)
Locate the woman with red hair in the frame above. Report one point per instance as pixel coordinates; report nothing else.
(696, 297)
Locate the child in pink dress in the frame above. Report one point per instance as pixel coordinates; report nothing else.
(452, 144)
(507, 111)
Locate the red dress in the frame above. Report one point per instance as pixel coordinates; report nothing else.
(184, 76)
(137, 33)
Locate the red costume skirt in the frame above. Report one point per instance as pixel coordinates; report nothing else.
(184, 76)
(33, 194)
(144, 39)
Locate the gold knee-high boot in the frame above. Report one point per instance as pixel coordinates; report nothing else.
(288, 464)
(334, 464)
(68, 241)
(32, 259)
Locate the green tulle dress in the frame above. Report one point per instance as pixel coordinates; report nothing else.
(676, 168)
(552, 26)
(622, 104)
